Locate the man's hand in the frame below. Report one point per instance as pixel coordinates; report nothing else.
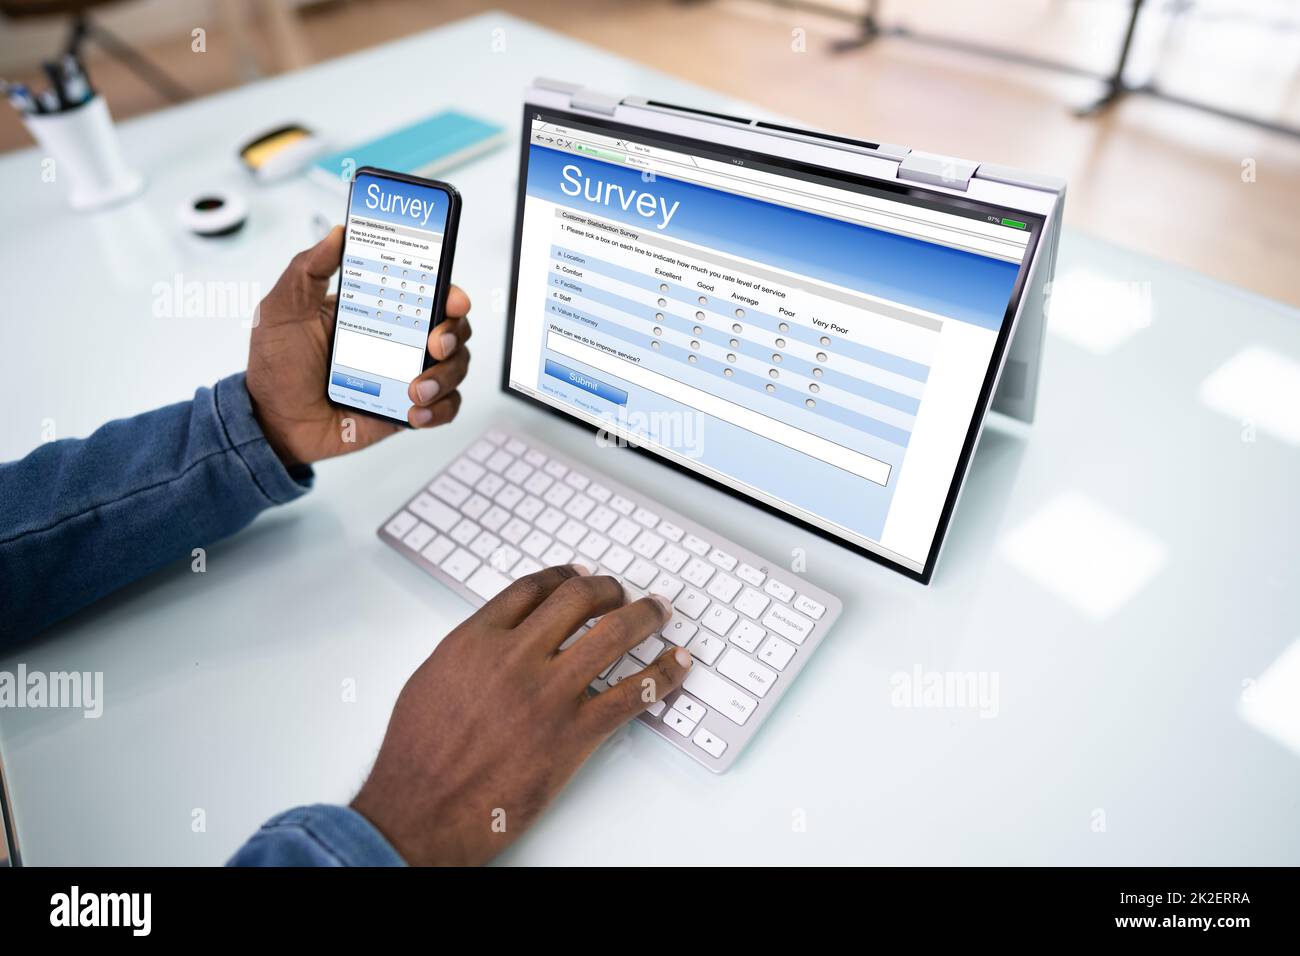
(489, 729)
(288, 361)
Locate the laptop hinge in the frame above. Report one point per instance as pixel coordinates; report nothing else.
(934, 170)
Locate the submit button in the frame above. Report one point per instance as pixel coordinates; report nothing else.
(585, 382)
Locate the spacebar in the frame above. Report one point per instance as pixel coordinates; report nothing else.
(718, 694)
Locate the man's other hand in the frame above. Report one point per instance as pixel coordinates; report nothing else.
(288, 362)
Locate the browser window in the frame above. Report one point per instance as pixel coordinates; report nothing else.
(818, 344)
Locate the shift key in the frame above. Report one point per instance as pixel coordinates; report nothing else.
(718, 694)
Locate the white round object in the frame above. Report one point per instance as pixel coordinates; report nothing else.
(214, 213)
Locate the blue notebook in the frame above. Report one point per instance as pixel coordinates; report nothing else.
(425, 148)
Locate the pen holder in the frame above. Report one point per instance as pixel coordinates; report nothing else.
(85, 149)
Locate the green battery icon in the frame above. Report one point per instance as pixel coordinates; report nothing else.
(1014, 223)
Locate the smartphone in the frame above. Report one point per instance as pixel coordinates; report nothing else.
(394, 275)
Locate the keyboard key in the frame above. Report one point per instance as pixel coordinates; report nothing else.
(572, 532)
(515, 530)
(648, 651)
(646, 517)
(535, 458)
(751, 575)
(752, 603)
(499, 461)
(791, 626)
(696, 545)
(647, 544)
(672, 557)
(495, 436)
(480, 451)
(465, 532)
(525, 567)
(624, 531)
(485, 544)
(706, 647)
(550, 520)
(518, 472)
(723, 560)
(475, 506)
(435, 512)
(718, 619)
(419, 536)
(807, 606)
(622, 505)
(697, 572)
(558, 495)
(459, 564)
(515, 446)
(509, 496)
(641, 572)
(670, 531)
(593, 546)
(577, 481)
(746, 672)
(556, 469)
(717, 693)
(618, 558)
(557, 554)
(601, 518)
(486, 582)
(494, 518)
(679, 722)
(679, 631)
(690, 708)
(667, 585)
(465, 470)
(490, 485)
(724, 587)
(503, 558)
(599, 492)
(530, 508)
(579, 506)
(449, 490)
(538, 483)
(776, 652)
(782, 592)
(536, 543)
(710, 743)
(691, 603)
(437, 550)
(625, 669)
(747, 635)
(612, 664)
(656, 708)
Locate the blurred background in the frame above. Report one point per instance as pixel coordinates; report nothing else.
(1190, 152)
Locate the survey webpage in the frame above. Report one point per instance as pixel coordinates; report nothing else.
(387, 288)
(818, 347)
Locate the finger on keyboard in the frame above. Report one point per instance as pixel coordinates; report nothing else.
(639, 691)
(615, 633)
(568, 607)
(510, 607)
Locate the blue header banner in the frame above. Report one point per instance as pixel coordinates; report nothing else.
(924, 275)
(399, 203)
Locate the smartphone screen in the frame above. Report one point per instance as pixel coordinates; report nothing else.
(388, 291)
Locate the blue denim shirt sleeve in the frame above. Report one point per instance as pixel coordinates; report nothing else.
(80, 518)
(319, 835)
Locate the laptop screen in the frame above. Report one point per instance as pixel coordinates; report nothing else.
(822, 343)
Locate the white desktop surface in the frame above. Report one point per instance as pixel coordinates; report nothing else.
(1117, 739)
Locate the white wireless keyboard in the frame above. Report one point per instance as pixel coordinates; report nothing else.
(509, 506)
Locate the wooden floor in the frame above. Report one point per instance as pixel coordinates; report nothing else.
(1153, 176)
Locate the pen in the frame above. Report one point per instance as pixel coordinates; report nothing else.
(76, 84)
(56, 91)
(21, 99)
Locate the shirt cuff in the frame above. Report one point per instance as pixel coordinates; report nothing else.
(317, 835)
(235, 412)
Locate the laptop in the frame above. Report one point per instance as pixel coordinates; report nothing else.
(815, 324)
